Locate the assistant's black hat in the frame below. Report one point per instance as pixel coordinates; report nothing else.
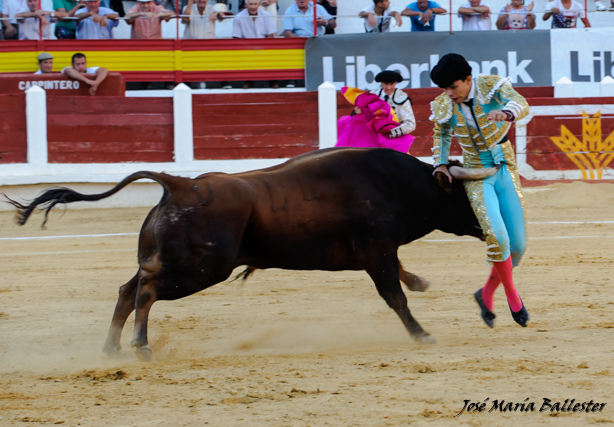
(389, 76)
(450, 68)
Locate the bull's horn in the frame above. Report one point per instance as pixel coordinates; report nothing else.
(478, 173)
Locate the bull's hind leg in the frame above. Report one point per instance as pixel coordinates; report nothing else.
(414, 283)
(385, 275)
(123, 309)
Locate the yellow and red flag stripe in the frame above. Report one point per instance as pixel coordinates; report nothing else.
(168, 59)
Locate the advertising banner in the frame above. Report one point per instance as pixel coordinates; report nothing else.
(355, 59)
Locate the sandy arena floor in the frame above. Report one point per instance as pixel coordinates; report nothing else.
(293, 348)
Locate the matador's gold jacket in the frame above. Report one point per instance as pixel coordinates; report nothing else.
(490, 93)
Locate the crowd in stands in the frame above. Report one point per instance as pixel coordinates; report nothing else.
(96, 19)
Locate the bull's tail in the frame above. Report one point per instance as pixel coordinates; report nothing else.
(47, 200)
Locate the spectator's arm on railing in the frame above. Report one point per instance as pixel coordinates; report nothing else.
(473, 10)
(370, 18)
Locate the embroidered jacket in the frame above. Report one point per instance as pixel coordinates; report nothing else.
(491, 93)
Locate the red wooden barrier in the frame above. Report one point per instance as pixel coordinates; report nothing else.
(57, 84)
(13, 139)
(252, 125)
(109, 129)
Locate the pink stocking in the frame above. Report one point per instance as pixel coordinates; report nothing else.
(504, 270)
(489, 289)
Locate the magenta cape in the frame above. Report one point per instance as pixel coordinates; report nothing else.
(371, 128)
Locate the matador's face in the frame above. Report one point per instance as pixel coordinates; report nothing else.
(459, 90)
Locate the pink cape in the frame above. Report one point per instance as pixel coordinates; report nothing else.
(371, 127)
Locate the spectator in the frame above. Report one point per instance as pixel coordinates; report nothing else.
(254, 23)
(331, 8)
(10, 8)
(516, 16)
(145, 19)
(422, 14)
(45, 63)
(95, 22)
(601, 6)
(66, 28)
(565, 14)
(377, 17)
(200, 24)
(298, 20)
(398, 100)
(475, 15)
(80, 71)
(32, 19)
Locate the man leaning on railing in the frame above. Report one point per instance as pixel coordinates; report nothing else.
(95, 22)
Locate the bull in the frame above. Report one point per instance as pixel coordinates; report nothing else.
(334, 209)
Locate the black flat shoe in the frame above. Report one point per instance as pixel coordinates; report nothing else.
(487, 315)
(522, 316)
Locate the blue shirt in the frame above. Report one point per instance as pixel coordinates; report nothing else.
(416, 23)
(301, 23)
(88, 29)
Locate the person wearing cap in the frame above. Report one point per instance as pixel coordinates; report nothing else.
(80, 71)
(398, 100)
(370, 123)
(200, 17)
(95, 22)
(145, 19)
(31, 18)
(480, 112)
(45, 63)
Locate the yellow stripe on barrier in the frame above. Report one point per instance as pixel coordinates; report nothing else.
(217, 60)
(164, 60)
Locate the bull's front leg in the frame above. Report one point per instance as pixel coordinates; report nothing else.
(123, 309)
(385, 275)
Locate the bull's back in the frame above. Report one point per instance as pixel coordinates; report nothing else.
(329, 206)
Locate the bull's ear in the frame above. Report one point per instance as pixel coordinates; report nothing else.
(443, 181)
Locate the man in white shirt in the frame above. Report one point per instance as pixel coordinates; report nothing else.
(30, 18)
(9, 9)
(565, 14)
(45, 63)
(475, 16)
(253, 23)
(80, 71)
(200, 24)
(377, 17)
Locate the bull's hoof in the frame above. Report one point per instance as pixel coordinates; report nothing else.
(144, 353)
(110, 349)
(425, 339)
(420, 284)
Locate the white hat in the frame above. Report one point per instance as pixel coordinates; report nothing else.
(220, 7)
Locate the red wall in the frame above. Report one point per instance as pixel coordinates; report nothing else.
(13, 142)
(109, 129)
(254, 125)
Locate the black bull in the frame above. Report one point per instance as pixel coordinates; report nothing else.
(335, 209)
